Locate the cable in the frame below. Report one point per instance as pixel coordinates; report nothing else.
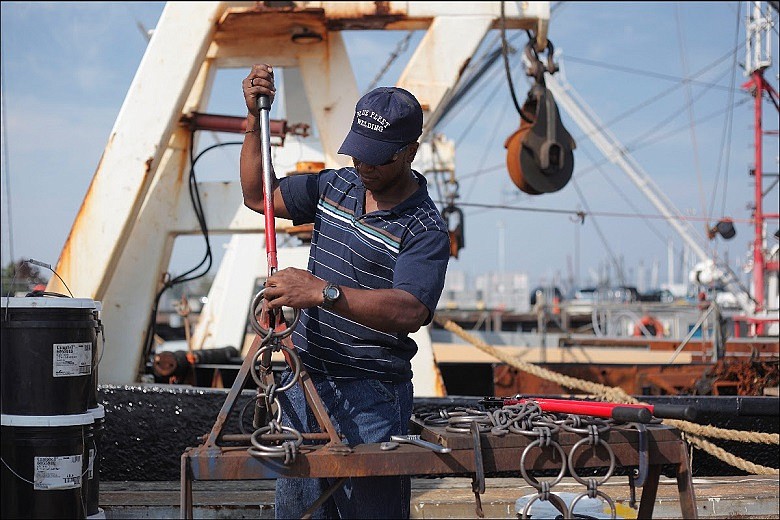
(487, 149)
(478, 114)
(632, 146)
(650, 74)
(627, 200)
(582, 214)
(663, 94)
(691, 117)
(618, 267)
(6, 163)
(725, 140)
(504, 54)
(399, 48)
(207, 258)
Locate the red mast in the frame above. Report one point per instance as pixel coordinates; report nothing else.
(758, 60)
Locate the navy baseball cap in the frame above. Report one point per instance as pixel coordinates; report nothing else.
(386, 120)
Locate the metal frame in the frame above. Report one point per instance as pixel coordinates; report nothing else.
(121, 241)
(493, 454)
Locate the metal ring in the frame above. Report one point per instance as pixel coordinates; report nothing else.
(601, 424)
(598, 493)
(259, 330)
(252, 82)
(571, 461)
(524, 471)
(276, 403)
(292, 355)
(483, 428)
(553, 498)
(270, 451)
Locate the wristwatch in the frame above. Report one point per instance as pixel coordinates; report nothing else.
(330, 294)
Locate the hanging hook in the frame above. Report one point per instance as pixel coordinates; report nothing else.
(536, 68)
(455, 231)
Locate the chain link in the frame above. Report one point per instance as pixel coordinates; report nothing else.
(528, 419)
(287, 447)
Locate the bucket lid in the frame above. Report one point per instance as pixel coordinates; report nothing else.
(47, 420)
(48, 303)
(98, 412)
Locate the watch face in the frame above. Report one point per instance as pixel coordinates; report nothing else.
(332, 292)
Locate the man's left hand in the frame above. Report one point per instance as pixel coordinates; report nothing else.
(291, 287)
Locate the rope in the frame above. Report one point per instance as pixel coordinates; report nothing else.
(731, 459)
(610, 393)
(728, 435)
(618, 395)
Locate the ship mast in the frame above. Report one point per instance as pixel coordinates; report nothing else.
(759, 58)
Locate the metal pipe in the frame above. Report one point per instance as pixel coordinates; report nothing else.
(273, 437)
(230, 124)
(691, 333)
(264, 106)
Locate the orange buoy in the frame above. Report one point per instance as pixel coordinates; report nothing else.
(650, 324)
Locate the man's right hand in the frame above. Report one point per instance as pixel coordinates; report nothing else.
(259, 82)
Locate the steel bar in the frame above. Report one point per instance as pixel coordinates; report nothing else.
(685, 486)
(321, 500)
(235, 391)
(368, 460)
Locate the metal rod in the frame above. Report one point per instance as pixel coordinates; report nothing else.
(264, 106)
(691, 333)
(246, 438)
(325, 496)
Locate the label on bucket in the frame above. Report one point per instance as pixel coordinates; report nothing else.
(57, 472)
(91, 462)
(72, 359)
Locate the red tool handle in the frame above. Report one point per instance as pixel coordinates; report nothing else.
(593, 409)
(264, 107)
(602, 409)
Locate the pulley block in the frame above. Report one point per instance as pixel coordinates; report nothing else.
(455, 227)
(540, 156)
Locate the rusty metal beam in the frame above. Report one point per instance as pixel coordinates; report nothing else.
(367, 460)
(232, 124)
(499, 454)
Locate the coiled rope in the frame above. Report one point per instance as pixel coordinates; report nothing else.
(693, 431)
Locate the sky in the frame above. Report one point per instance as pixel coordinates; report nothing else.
(66, 68)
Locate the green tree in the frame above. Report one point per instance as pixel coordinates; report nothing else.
(21, 277)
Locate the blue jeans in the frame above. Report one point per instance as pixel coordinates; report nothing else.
(363, 411)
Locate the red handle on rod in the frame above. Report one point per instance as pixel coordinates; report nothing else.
(602, 409)
(264, 107)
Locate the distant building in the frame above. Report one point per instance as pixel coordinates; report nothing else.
(507, 291)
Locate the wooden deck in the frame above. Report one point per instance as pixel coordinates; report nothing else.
(750, 497)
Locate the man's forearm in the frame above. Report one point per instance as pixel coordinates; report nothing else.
(251, 166)
(388, 310)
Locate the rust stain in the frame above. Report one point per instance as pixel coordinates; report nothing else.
(182, 165)
(463, 67)
(68, 256)
(382, 7)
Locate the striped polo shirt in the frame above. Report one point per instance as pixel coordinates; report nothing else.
(406, 247)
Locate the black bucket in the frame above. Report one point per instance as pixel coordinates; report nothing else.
(43, 466)
(97, 355)
(47, 355)
(92, 478)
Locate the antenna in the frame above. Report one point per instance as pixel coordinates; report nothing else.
(758, 51)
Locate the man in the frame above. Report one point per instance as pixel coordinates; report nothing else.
(378, 258)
